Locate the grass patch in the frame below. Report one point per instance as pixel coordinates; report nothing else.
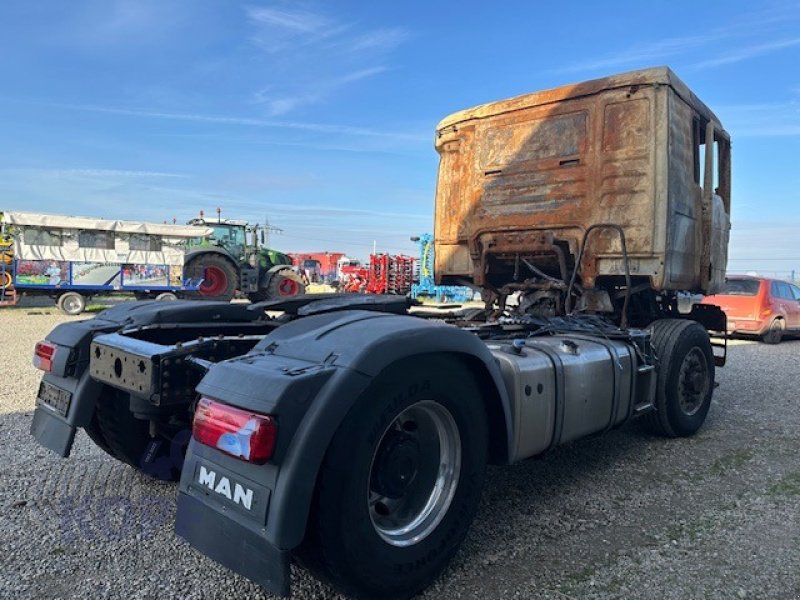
(692, 530)
(789, 485)
(730, 461)
(95, 308)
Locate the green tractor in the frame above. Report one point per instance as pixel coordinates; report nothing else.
(233, 259)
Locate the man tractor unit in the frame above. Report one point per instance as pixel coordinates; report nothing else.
(350, 433)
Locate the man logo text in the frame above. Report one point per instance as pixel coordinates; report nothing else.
(238, 494)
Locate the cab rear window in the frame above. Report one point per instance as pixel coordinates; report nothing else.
(740, 287)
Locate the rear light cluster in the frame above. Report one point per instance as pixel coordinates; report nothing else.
(241, 433)
(43, 356)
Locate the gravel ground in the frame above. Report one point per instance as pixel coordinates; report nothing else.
(621, 516)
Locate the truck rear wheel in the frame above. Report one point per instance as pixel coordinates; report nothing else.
(685, 378)
(400, 482)
(219, 275)
(128, 439)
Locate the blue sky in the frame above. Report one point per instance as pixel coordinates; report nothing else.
(320, 115)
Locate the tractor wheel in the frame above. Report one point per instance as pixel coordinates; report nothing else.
(283, 284)
(219, 275)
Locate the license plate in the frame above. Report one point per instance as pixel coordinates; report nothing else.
(54, 397)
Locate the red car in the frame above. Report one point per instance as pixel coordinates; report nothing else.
(767, 308)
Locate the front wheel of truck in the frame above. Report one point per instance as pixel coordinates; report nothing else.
(685, 377)
(400, 481)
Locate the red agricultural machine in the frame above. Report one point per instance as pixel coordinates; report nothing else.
(390, 274)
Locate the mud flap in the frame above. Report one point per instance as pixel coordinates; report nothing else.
(52, 432)
(232, 545)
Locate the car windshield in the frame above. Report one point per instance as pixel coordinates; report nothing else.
(740, 287)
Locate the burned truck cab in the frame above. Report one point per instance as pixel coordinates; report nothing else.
(522, 181)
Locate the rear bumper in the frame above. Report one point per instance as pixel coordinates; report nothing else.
(747, 326)
(232, 545)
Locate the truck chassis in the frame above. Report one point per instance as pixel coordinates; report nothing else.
(438, 393)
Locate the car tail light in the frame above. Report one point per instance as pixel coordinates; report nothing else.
(240, 433)
(43, 356)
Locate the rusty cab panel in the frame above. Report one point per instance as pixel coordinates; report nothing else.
(523, 179)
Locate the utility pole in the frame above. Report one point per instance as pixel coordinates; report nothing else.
(269, 229)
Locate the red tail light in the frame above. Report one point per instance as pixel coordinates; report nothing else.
(240, 433)
(43, 356)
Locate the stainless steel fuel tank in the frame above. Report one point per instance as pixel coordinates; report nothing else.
(565, 387)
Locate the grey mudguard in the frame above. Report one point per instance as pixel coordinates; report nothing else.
(310, 372)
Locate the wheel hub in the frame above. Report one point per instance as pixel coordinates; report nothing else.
(693, 382)
(414, 473)
(214, 281)
(396, 465)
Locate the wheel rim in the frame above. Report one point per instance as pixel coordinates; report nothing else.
(288, 287)
(215, 281)
(693, 382)
(414, 473)
(71, 304)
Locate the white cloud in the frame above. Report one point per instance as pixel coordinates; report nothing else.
(738, 55)
(294, 20)
(733, 34)
(311, 56)
(92, 173)
(251, 122)
(766, 119)
(281, 104)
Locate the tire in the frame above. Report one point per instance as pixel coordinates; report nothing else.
(685, 378)
(128, 439)
(774, 334)
(166, 296)
(220, 277)
(282, 284)
(376, 466)
(71, 303)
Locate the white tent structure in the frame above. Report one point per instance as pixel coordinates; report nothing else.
(83, 239)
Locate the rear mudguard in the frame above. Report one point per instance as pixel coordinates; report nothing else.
(310, 372)
(70, 370)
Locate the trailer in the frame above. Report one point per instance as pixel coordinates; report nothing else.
(72, 259)
(350, 433)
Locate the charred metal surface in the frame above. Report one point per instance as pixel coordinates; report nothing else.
(532, 173)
